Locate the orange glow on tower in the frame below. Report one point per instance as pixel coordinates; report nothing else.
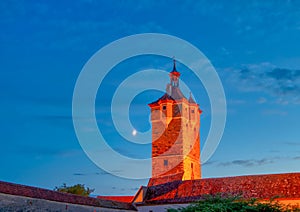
(175, 133)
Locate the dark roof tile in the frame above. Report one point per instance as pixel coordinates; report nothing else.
(255, 186)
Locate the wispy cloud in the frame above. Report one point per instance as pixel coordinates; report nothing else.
(248, 163)
(293, 143)
(90, 174)
(251, 18)
(66, 32)
(39, 151)
(261, 100)
(235, 101)
(253, 162)
(282, 83)
(79, 174)
(261, 16)
(274, 112)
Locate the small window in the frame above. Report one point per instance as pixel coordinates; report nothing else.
(193, 111)
(166, 162)
(164, 107)
(192, 165)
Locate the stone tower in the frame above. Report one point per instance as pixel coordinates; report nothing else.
(175, 133)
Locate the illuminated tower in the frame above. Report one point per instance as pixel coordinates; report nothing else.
(175, 133)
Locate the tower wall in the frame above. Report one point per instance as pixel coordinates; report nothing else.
(175, 133)
(166, 147)
(191, 142)
(175, 139)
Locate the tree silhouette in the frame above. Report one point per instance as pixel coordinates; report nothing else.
(78, 189)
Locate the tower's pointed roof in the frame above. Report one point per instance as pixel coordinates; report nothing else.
(191, 99)
(163, 98)
(173, 91)
(174, 71)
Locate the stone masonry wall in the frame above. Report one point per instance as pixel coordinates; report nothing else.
(168, 147)
(45, 194)
(13, 203)
(176, 143)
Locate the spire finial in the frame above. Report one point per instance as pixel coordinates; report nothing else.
(174, 64)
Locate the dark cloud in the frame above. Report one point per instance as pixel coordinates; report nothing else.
(293, 143)
(280, 82)
(79, 174)
(248, 163)
(255, 162)
(89, 174)
(43, 151)
(286, 81)
(252, 162)
(274, 112)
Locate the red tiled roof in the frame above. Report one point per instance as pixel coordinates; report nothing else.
(39, 193)
(164, 179)
(163, 98)
(127, 199)
(255, 186)
(176, 95)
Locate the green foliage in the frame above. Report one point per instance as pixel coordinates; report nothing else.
(227, 203)
(78, 189)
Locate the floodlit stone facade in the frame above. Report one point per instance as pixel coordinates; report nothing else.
(175, 133)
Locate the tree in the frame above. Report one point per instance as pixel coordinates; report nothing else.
(227, 203)
(78, 189)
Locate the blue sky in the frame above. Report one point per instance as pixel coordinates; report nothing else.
(253, 45)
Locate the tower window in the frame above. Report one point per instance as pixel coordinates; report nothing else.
(164, 107)
(192, 165)
(193, 111)
(166, 162)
